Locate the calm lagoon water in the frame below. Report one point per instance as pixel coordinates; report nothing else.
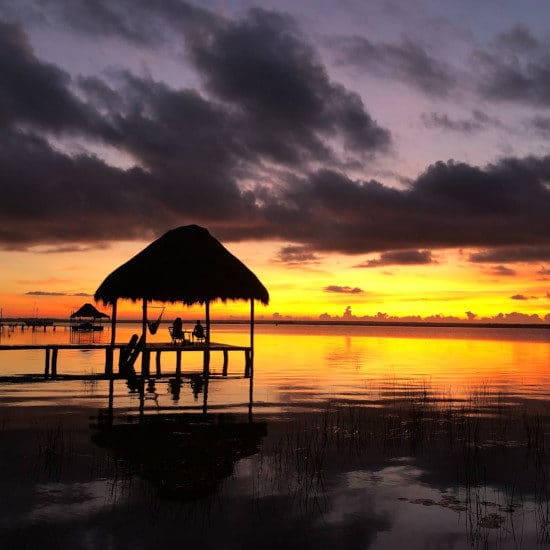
(362, 437)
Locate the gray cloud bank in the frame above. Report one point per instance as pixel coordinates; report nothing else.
(259, 151)
(406, 61)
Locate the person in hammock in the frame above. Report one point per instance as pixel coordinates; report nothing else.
(154, 325)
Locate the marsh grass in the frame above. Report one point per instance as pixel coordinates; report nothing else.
(493, 450)
(497, 448)
(90, 385)
(54, 449)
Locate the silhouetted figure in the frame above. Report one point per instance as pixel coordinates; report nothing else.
(177, 326)
(133, 383)
(128, 356)
(198, 331)
(176, 331)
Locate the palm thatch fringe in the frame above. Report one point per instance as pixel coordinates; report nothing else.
(88, 311)
(186, 265)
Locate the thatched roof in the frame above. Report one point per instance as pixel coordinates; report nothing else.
(88, 311)
(185, 265)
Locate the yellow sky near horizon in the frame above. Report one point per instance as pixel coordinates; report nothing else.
(53, 284)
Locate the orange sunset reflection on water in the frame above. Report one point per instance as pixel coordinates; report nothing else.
(307, 365)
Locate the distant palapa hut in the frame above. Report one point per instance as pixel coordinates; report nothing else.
(85, 318)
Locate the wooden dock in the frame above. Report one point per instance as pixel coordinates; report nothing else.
(51, 353)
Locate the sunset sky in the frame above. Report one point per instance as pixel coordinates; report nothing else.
(375, 159)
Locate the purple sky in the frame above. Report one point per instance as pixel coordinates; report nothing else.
(350, 126)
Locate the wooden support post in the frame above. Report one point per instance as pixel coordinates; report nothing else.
(146, 362)
(109, 361)
(109, 353)
(250, 396)
(144, 358)
(225, 362)
(158, 364)
(206, 356)
(206, 362)
(247, 363)
(251, 364)
(251, 355)
(47, 364)
(205, 395)
(206, 359)
(111, 401)
(141, 384)
(178, 363)
(54, 362)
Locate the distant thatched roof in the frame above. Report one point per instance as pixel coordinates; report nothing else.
(185, 265)
(88, 311)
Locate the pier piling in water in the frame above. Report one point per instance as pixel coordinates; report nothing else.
(51, 352)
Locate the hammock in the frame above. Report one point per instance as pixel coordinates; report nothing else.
(154, 325)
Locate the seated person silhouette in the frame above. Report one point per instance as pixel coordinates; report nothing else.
(198, 331)
(177, 330)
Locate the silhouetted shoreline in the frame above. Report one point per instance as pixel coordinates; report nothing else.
(465, 324)
(312, 322)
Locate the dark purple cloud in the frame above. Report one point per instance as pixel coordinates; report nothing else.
(476, 122)
(70, 249)
(343, 289)
(512, 254)
(502, 270)
(517, 39)
(293, 254)
(48, 197)
(540, 124)
(449, 205)
(36, 93)
(406, 61)
(257, 153)
(50, 293)
(515, 68)
(44, 293)
(139, 22)
(522, 297)
(400, 257)
(193, 149)
(263, 64)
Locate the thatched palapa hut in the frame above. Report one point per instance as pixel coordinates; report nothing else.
(85, 318)
(88, 311)
(185, 265)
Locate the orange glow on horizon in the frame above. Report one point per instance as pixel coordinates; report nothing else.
(54, 284)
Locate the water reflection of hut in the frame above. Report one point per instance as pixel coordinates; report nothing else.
(185, 265)
(184, 457)
(87, 319)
